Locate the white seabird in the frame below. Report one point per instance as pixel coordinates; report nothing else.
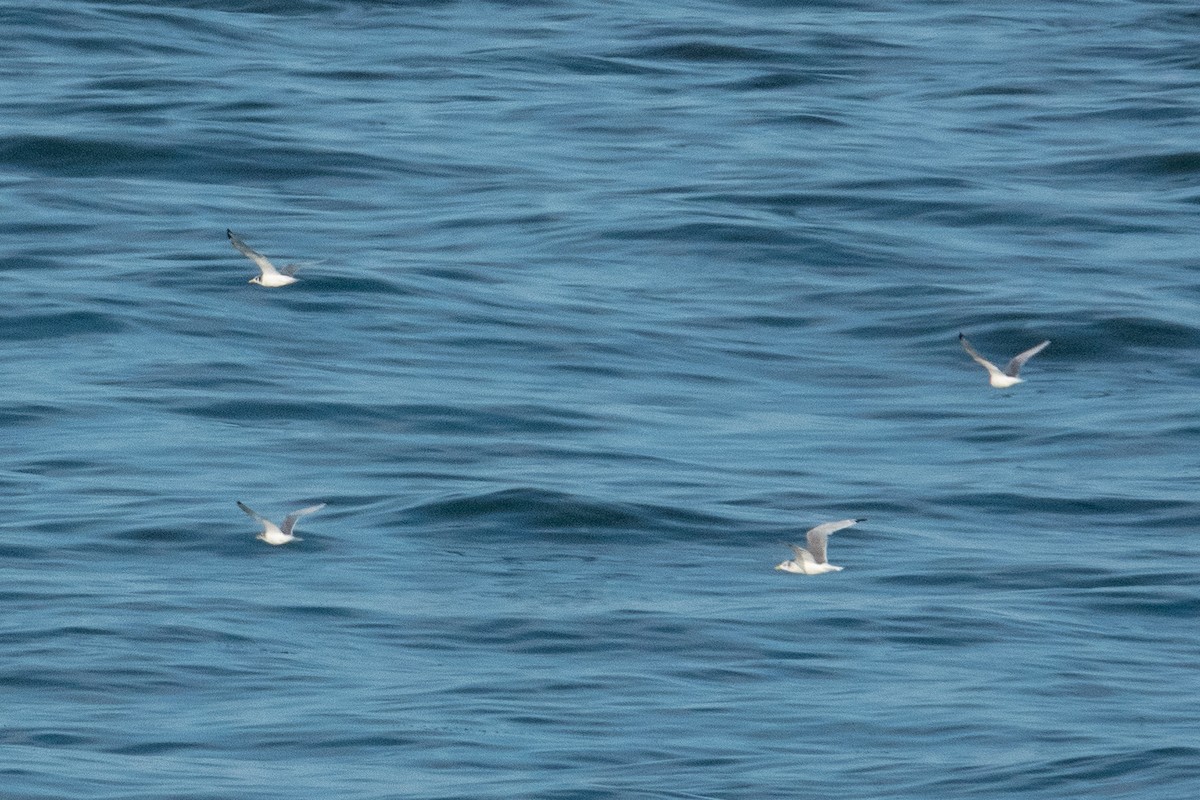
(1007, 378)
(811, 561)
(270, 276)
(279, 534)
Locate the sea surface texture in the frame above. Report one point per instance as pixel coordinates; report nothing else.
(600, 305)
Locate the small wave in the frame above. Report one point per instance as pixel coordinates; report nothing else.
(1182, 165)
(1156, 769)
(60, 155)
(530, 510)
(36, 327)
(704, 51)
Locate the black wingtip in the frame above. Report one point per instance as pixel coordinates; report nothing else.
(864, 519)
(229, 233)
(961, 335)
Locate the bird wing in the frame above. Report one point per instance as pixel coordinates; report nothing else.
(251, 512)
(290, 269)
(258, 258)
(818, 536)
(980, 360)
(1019, 359)
(802, 554)
(290, 521)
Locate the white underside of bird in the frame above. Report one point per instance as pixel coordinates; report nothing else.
(812, 560)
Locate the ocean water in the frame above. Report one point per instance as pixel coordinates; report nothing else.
(601, 303)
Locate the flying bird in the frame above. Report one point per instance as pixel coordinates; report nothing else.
(279, 534)
(1007, 378)
(270, 276)
(811, 560)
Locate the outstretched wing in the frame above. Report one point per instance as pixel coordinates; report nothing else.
(251, 511)
(980, 360)
(290, 269)
(290, 521)
(258, 258)
(1019, 359)
(819, 536)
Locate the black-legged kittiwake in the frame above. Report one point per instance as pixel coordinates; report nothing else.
(812, 561)
(279, 534)
(270, 276)
(1007, 378)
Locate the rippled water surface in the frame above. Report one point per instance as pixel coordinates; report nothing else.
(599, 305)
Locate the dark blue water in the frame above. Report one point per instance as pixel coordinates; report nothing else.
(602, 303)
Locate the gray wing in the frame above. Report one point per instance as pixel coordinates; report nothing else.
(251, 511)
(818, 536)
(800, 553)
(980, 360)
(1019, 359)
(290, 269)
(816, 545)
(255, 256)
(290, 521)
